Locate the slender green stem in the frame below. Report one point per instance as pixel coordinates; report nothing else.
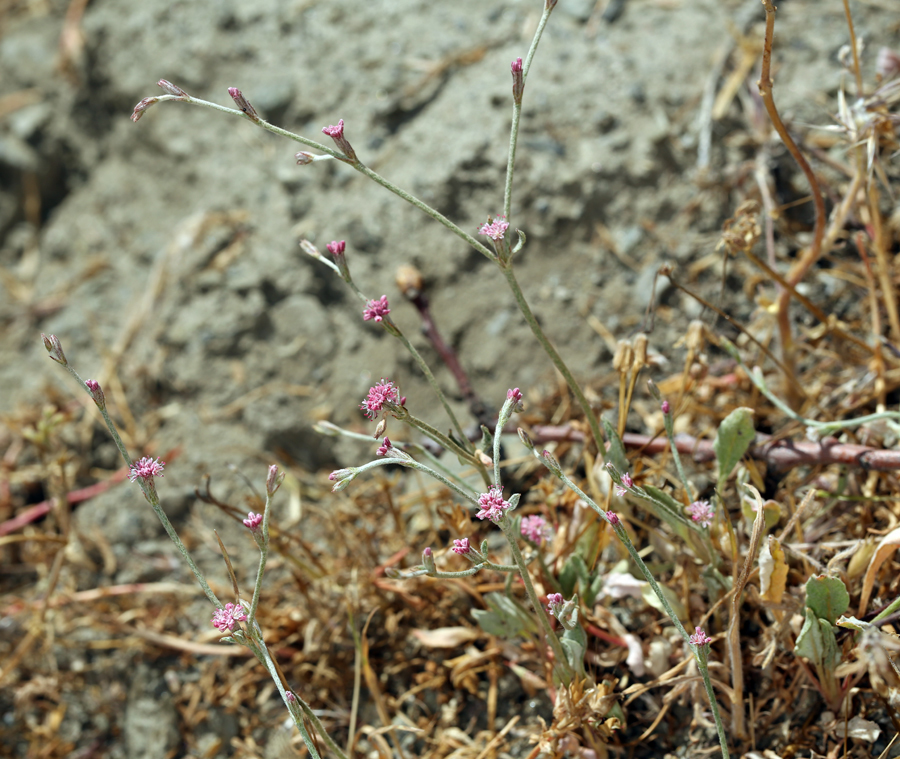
(703, 666)
(886, 612)
(263, 544)
(670, 434)
(410, 462)
(565, 669)
(152, 497)
(517, 110)
(555, 357)
(358, 165)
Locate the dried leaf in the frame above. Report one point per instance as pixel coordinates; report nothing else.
(889, 543)
(773, 571)
(445, 637)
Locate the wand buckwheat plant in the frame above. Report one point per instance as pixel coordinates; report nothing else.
(488, 499)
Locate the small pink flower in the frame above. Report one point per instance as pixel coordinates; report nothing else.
(146, 468)
(492, 504)
(303, 158)
(290, 696)
(376, 309)
(494, 228)
(253, 521)
(555, 602)
(336, 133)
(383, 392)
(461, 546)
(612, 517)
(536, 529)
(703, 512)
(665, 407)
(274, 478)
(336, 248)
(515, 395)
(385, 447)
(700, 638)
(224, 620)
(627, 481)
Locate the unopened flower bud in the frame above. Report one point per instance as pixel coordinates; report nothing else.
(336, 133)
(526, 440)
(303, 158)
(612, 517)
(379, 430)
(273, 480)
(54, 348)
(96, 392)
(337, 251)
(290, 697)
(665, 407)
(551, 463)
(518, 81)
(654, 390)
(141, 107)
(428, 560)
(253, 521)
(385, 447)
(515, 395)
(172, 89)
(241, 102)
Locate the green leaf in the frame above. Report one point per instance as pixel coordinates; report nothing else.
(504, 618)
(733, 438)
(616, 453)
(827, 597)
(574, 643)
(574, 573)
(816, 642)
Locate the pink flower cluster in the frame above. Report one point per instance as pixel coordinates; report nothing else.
(253, 521)
(492, 504)
(461, 546)
(494, 228)
(146, 469)
(555, 603)
(699, 638)
(536, 529)
(224, 620)
(384, 391)
(626, 483)
(376, 310)
(385, 447)
(703, 512)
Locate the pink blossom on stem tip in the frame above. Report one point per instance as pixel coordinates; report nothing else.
(518, 80)
(703, 512)
(612, 517)
(253, 521)
(492, 504)
(385, 447)
(555, 602)
(515, 395)
(461, 546)
(336, 133)
(146, 469)
(382, 392)
(665, 407)
(224, 620)
(376, 310)
(699, 638)
(536, 529)
(494, 228)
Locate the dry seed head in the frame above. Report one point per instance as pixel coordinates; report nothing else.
(409, 281)
(696, 336)
(640, 352)
(624, 356)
